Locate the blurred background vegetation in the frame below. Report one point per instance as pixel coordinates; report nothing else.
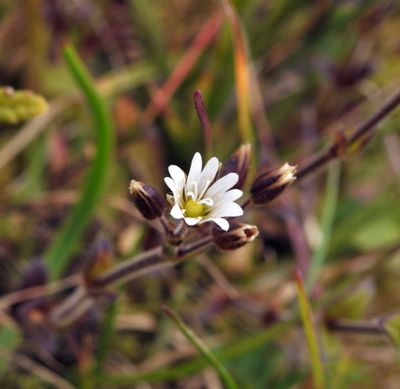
(284, 75)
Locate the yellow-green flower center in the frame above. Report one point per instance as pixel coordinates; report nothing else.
(193, 208)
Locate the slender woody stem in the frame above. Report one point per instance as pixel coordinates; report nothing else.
(361, 132)
(142, 263)
(69, 306)
(40, 291)
(194, 247)
(154, 259)
(355, 326)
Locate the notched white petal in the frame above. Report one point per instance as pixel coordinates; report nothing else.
(229, 209)
(191, 221)
(231, 195)
(176, 173)
(170, 183)
(223, 223)
(223, 184)
(195, 170)
(176, 212)
(208, 174)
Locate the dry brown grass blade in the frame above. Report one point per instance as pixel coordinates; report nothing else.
(202, 40)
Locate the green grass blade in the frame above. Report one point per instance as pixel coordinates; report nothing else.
(308, 323)
(10, 338)
(148, 19)
(106, 335)
(243, 346)
(67, 238)
(226, 378)
(328, 217)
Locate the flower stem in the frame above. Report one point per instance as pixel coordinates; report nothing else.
(226, 378)
(142, 263)
(155, 259)
(361, 132)
(354, 326)
(192, 248)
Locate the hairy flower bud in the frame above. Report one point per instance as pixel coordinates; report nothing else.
(269, 185)
(237, 236)
(149, 202)
(238, 163)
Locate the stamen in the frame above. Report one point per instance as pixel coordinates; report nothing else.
(207, 201)
(191, 194)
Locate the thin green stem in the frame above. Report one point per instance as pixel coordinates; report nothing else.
(226, 378)
(65, 242)
(106, 335)
(328, 216)
(310, 331)
(184, 369)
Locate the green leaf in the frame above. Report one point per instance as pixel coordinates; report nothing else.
(9, 340)
(64, 244)
(309, 328)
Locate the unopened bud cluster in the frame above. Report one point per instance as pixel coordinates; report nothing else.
(269, 185)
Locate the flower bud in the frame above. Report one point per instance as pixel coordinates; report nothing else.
(237, 236)
(149, 202)
(238, 163)
(269, 185)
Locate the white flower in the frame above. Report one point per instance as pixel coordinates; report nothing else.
(199, 198)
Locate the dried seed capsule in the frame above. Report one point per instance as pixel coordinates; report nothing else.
(269, 185)
(238, 163)
(237, 236)
(149, 202)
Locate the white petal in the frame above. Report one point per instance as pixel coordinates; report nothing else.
(191, 221)
(230, 209)
(222, 185)
(229, 196)
(208, 174)
(194, 173)
(170, 183)
(176, 212)
(223, 223)
(177, 174)
(176, 188)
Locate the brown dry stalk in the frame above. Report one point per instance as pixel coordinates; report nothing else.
(363, 131)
